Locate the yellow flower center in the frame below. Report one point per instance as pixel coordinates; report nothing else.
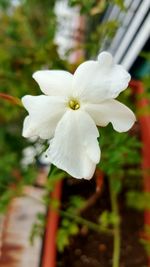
(74, 104)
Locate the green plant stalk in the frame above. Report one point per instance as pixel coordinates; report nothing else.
(78, 219)
(117, 237)
(89, 224)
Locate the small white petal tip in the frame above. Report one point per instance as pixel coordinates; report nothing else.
(35, 74)
(105, 58)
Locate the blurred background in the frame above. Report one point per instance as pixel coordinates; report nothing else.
(60, 34)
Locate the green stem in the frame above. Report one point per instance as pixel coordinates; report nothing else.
(117, 239)
(80, 220)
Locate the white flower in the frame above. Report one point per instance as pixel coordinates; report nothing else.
(72, 107)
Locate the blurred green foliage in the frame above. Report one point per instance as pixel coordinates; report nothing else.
(138, 200)
(69, 226)
(108, 219)
(93, 7)
(38, 227)
(26, 44)
(145, 240)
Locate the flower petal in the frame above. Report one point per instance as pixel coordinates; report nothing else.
(95, 81)
(121, 117)
(44, 114)
(54, 82)
(75, 148)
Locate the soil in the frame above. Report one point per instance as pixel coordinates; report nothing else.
(91, 249)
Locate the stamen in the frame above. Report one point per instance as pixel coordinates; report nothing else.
(74, 104)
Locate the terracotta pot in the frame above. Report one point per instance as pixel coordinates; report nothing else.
(50, 250)
(144, 121)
